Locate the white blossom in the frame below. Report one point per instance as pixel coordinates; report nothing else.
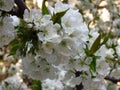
(70, 79)
(6, 31)
(52, 85)
(13, 83)
(92, 84)
(30, 16)
(16, 20)
(118, 50)
(37, 67)
(6, 5)
(13, 69)
(116, 72)
(103, 67)
(59, 7)
(49, 34)
(71, 21)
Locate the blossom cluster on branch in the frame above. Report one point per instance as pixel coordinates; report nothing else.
(54, 44)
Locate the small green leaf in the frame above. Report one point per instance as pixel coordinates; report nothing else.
(56, 18)
(36, 85)
(87, 51)
(106, 38)
(91, 1)
(1, 23)
(14, 45)
(6, 84)
(1, 3)
(93, 64)
(13, 42)
(96, 45)
(44, 8)
(65, 1)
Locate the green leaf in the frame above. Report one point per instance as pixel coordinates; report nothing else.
(93, 64)
(91, 1)
(56, 18)
(65, 1)
(1, 3)
(87, 51)
(96, 45)
(44, 8)
(13, 42)
(106, 38)
(6, 84)
(1, 23)
(36, 85)
(14, 45)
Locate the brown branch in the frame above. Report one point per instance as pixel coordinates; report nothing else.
(112, 79)
(3, 76)
(19, 10)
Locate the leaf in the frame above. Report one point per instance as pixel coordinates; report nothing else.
(1, 3)
(44, 8)
(56, 18)
(87, 50)
(6, 84)
(36, 85)
(96, 45)
(93, 64)
(14, 45)
(106, 38)
(65, 1)
(1, 23)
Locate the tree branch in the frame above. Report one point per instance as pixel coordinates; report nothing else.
(112, 79)
(19, 10)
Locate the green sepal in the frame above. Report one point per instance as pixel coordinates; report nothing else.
(56, 18)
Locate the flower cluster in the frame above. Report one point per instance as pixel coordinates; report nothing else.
(57, 47)
(60, 40)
